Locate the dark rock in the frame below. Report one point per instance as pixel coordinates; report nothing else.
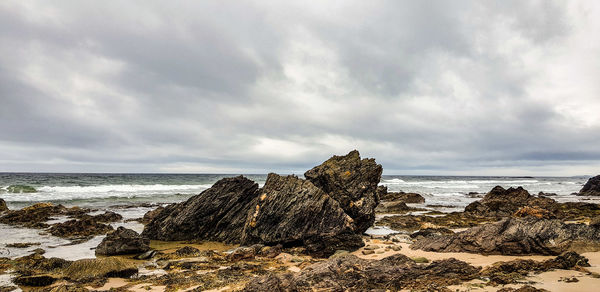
(514, 271)
(219, 213)
(396, 207)
(187, 251)
(591, 188)
(293, 212)
(22, 244)
(431, 232)
(122, 241)
(35, 280)
(151, 215)
(244, 252)
(353, 183)
(37, 264)
(108, 217)
(517, 236)
(79, 228)
(409, 198)
(32, 216)
(350, 273)
(3, 206)
(500, 202)
(542, 194)
(413, 223)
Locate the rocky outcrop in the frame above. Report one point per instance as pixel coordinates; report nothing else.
(151, 215)
(500, 202)
(293, 211)
(353, 183)
(591, 188)
(409, 198)
(37, 214)
(288, 210)
(516, 270)
(517, 236)
(219, 213)
(122, 241)
(350, 273)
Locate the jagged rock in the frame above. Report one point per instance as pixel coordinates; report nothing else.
(123, 241)
(350, 273)
(38, 264)
(106, 217)
(218, 213)
(591, 188)
(91, 269)
(292, 211)
(35, 280)
(353, 183)
(151, 215)
(79, 228)
(409, 198)
(517, 236)
(3, 206)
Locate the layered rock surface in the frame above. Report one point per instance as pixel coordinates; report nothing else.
(353, 183)
(350, 273)
(287, 210)
(591, 188)
(517, 236)
(122, 241)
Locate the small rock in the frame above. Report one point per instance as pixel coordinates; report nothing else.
(368, 251)
(123, 241)
(396, 248)
(35, 280)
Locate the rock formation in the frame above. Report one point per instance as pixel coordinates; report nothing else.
(517, 236)
(350, 273)
(500, 202)
(292, 211)
(408, 198)
(122, 241)
(353, 183)
(326, 212)
(3, 206)
(219, 213)
(591, 188)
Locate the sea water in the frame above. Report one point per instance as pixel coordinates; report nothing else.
(126, 194)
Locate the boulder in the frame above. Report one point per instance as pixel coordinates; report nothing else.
(409, 198)
(123, 241)
(350, 273)
(591, 188)
(517, 236)
(353, 183)
(218, 213)
(292, 211)
(3, 206)
(500, 202)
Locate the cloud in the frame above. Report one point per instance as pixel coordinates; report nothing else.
(476, 87)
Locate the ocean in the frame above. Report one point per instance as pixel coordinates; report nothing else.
(104, 190)
(127, 194)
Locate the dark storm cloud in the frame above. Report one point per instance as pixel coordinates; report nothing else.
(476, 87)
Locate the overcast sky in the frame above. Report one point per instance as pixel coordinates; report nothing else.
(425, 87)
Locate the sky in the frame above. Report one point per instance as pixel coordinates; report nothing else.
(425, 87)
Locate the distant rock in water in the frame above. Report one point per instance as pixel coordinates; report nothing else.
(517, 236)
(21, 189)
(408, 198)
(122, 241)
(591, 188)
(500, 202)
(287, 210)
(353, 183)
